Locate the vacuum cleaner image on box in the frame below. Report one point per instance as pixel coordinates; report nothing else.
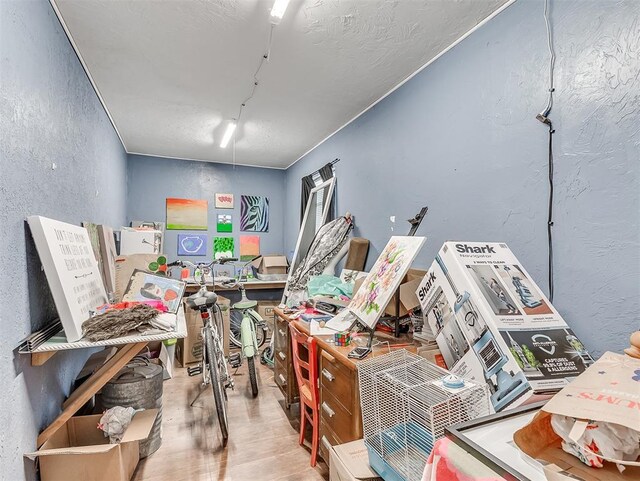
(493, 324)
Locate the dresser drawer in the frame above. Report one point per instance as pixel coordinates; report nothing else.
(281, 355)
(281, 334)
(281, 374)
(327, 440)
(338, 380)
(334, 417)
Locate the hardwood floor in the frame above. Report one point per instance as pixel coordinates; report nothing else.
(263, 437)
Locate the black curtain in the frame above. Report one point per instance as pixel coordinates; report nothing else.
(307, 185)
(326, 173)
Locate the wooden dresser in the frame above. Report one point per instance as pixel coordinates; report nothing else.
(283, 372)
(340, 415)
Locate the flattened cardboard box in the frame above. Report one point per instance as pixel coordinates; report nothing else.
(493, 323)
(124, 267)
(80, 451)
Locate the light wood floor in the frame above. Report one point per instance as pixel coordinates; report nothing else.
(263, 437)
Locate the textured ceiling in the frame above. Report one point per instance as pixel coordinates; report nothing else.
(170, 73)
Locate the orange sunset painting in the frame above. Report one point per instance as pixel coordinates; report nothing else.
(186, 214)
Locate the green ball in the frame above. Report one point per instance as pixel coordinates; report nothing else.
(153, 266)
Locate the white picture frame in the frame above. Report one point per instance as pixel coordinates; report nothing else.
(307, 233)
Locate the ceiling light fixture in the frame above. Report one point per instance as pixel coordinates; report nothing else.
(227, 134)
(277, 11)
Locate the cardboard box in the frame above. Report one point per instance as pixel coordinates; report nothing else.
(350, 462)
(272, 265)
(266, 311)
(189, 349)
(408, 298)
(79, 450)
(493, 323)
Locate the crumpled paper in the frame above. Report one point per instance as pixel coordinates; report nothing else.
(598, 442)
(115, 421)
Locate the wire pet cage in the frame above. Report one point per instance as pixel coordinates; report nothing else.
(406, 404)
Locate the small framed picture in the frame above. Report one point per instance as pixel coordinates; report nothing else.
(145, 286)
(224, 201)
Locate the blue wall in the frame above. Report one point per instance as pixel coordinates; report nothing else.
(153, 179)
(49, 113)
(462, 138)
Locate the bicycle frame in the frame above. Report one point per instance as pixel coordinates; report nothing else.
(215, 327)
(213, 366)
(208, 315)
(248, 332)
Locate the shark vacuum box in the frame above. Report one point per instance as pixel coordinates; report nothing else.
(493, 323)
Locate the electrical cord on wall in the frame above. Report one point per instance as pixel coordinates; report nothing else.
(265, 57)
(544, 118)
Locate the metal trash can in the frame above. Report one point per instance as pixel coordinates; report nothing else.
(138, 385)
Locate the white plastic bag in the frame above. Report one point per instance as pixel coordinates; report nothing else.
(594, 441)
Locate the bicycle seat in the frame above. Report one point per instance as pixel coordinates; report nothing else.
(245, 304)
(197, 300)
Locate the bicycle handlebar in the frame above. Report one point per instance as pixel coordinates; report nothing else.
(202, 266)
(221, 261)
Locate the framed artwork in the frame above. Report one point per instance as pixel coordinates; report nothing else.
(254, 213)
(385, 277)
(186, 214)
(145, 286)
(224, 223)
(490, 440)
(224, 201)
(249, 247)
(72, 271)
(192, 244)
(223, 247)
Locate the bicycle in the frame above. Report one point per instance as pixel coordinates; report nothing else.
(237, 315)
(213, 365)
(248, 330)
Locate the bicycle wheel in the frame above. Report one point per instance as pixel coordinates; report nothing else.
(214, 357)
(253, 378)
(236, 320)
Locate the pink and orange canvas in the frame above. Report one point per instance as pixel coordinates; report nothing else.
(186, 214)
(249, 247)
